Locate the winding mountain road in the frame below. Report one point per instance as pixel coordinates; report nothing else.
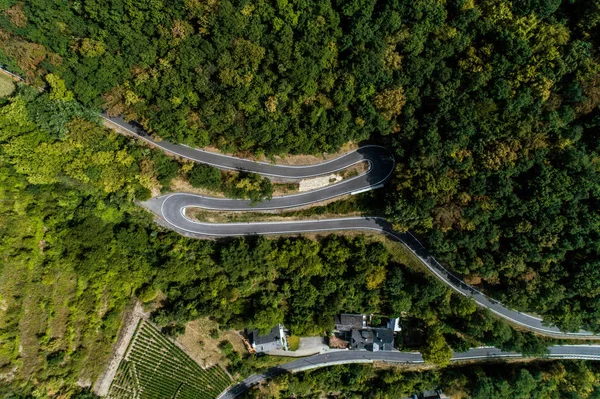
(172, 209)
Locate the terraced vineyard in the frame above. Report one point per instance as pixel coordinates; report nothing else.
(155, 368)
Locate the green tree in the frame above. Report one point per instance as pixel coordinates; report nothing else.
(436, 349)
(205, 176)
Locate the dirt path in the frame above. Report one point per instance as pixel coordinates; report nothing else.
(130, 321)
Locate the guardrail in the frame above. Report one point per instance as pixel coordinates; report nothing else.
(14, 75)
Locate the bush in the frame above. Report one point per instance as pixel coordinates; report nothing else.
(55, 358)
(205, 176)
(248, 185)
(293, 342)
(226, 348)
(147, 294)
(165, 168)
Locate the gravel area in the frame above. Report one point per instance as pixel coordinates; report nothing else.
(318, 182)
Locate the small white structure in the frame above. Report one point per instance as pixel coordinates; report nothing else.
(394, 324)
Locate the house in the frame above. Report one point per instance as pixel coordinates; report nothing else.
(361, 339)
(348, 322)
(274, 340)
(394, 324)
(383, 339)
(375, 339)
(357, 331)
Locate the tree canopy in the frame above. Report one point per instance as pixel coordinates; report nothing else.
(560, 379)
(490, 106)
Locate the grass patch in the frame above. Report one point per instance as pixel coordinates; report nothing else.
(284, 188)
(202, 338)
(401, 254)
(7, 87)
(244, 217)
(293, 342)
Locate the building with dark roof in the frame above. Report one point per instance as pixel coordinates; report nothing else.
(275, 339)
(356, 330)
(376, 339)
(383, 339)
(348, 322)
(361, 339)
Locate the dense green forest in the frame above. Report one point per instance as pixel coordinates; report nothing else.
(490, 106)
(75, 249)
(556, 380)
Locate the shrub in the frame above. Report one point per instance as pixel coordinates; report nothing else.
(147, 294)
(205, 176)
(293, 342)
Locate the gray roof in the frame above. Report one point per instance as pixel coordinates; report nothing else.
(431, 394)
(361, 339)
(376, 339)
(268, 342)
(347, 322)
(384, 339)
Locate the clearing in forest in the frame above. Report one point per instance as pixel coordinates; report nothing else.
(6, 85)
(155, 367)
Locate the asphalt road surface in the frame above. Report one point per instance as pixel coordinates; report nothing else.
(381, 162)
(172, 209)
(585, 352)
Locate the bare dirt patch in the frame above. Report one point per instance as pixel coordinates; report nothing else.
(337, 343)
(473, 280)
(204, 349)
(285, 188)
(318, 182)
(354, 170)
(324, 181)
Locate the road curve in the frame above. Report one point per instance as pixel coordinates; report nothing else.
(583, 352)
(172, 209)
(381, 162)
